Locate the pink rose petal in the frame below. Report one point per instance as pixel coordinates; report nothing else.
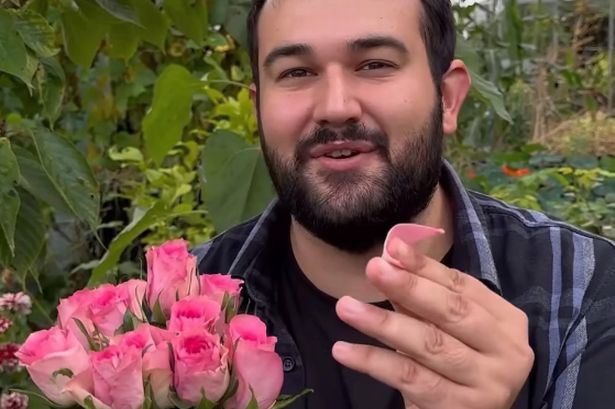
(410, 234)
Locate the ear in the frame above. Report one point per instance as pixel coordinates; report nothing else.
(455, 85)
(253, 97)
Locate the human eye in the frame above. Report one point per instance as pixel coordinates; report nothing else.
(295, 73)
(375, 65)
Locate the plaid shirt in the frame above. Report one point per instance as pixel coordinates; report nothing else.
(562, 277)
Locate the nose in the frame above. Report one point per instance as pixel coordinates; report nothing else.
(336, 103)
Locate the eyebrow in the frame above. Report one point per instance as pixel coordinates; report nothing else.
(371, 42)
(290, 50)
(359, 44)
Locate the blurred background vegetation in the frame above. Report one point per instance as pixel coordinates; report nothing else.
(124, 123)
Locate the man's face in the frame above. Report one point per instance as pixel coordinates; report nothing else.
(350, 118)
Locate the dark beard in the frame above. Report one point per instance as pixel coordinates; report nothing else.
(353, 211)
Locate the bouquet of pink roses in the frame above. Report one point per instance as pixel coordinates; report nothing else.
(171, 341)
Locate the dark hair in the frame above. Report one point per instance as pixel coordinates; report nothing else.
(437, 30)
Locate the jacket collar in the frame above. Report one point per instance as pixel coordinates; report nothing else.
(471, 251)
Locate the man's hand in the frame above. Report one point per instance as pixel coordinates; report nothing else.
(458, 344)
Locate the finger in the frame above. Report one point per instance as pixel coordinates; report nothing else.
(425, 343)
(454, 313)
(456, 281)
(417, 384)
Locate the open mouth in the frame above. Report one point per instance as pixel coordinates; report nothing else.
(342, 149)
(342, 154)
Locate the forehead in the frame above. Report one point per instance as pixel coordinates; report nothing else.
(334, 22)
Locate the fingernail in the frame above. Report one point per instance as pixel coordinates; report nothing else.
(341, 348)
(353, 306)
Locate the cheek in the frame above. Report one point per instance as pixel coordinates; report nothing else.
(284, 120)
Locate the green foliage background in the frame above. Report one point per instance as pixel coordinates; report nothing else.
(124, 123)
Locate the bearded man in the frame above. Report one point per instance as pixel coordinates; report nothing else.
(507, 309)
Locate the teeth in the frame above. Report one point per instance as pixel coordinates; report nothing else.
(341, 153)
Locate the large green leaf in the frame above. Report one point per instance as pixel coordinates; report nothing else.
(82, 36)
(120, 9)
(218, 11)
(71, 175)
(155, 24)
(36, 33)
(171, 111)
(35, 180)
(123, 40)
(490, 94)
(9, 198)
(190, 17)
(236, 21)
(235, 179)
(53, 88)
(30, 237)
(142, 220)
(13, 56)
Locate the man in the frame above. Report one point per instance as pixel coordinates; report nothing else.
(508, 308)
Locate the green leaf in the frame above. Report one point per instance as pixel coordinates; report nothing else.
(158, 315)
(177, 402)
(93, 346)
(253, 404)
(53, 89)
(35, 180)
(82, 37)
(284, 401)
(219, 11)
(490, 94)
(236, 23)
(9, 198)
(129, 154)
(154, 24)
(36, 33)
(190, 17)
(13, 55)
(123, 40)
(120, 9)
(205, 403)
(128, 323)
(171, 111)
(71, 177)
(31, 235)
(89, 402)
(5, 252)
(64, 371)
(140, 223)
(235, 179)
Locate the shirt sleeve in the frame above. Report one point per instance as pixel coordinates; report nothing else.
(584, 376)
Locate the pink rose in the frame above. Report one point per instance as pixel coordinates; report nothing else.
(51, 350)
(193, 313)
(214, 286)
(118, 378)
(102, 308)
(133, 292)
(255, 362)
(81, 387)
(171, 273)
(156, 366)
(201, 364)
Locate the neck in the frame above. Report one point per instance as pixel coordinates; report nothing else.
(338, 273)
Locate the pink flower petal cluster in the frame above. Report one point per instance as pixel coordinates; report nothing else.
(18, 303)
(110, 349)
(13, 400)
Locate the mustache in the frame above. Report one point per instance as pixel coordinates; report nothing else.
(353, 132)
